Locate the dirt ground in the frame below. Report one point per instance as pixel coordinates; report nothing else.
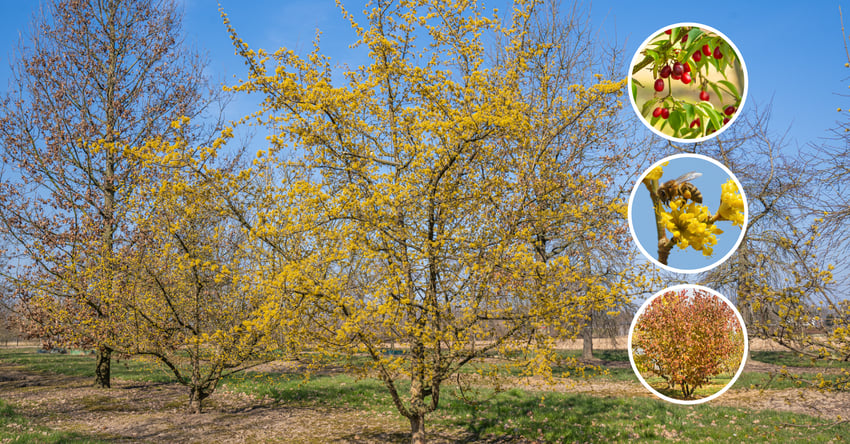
(153, 412)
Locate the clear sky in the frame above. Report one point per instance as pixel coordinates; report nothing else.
(793, 50)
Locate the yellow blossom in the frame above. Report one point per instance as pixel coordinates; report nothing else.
(691, 226)
(731, 204)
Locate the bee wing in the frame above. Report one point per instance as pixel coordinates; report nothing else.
(688, 176)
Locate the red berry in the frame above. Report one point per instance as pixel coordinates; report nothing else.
(656, 112)
(678, 69)
(706, 50)
(729, 110)
(687, 67)
(695, 122)
(668, 32)
(725, 120)
(703, 95)
(675, 77)
(717, 53)
(697, 56)
(686, 78)
(659, 85)
(665, 113)
(685, 38)
(665, 72)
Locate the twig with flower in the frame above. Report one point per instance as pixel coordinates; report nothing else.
(690, 223)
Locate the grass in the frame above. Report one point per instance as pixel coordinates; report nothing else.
(577, 417)
(83, 365)
(15, 428)
(553, 417)
(715, 385)
(792, 359)
(544, 416)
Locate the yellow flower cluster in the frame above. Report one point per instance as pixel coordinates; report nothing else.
(731, 204)
(691, 226)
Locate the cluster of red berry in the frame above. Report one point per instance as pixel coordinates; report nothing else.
(679, 71)
(707, 51)
(682, 71)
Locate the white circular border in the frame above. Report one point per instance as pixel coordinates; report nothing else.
(713, 264)
(743, 94)
(743, 357)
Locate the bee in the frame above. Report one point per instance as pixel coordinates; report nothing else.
(680, 187)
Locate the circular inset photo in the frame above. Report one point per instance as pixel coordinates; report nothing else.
(687, 213)
(687, 344)
(687, 82)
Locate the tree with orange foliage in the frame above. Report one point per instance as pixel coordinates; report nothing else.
(95, 78)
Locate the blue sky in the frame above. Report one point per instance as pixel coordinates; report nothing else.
(793, 50)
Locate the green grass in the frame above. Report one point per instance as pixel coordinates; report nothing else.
(576, 417)
(544, 416)
(792, 359)
(294, 390)
(83, 365)
(14, 428)
(717, 383)
(552, 417)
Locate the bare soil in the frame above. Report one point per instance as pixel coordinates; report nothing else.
(154, 412)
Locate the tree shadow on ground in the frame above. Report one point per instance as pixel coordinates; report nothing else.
(566, 417)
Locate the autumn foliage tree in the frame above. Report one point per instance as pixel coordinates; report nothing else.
(687, 337)
(452, 196)
(94, 78)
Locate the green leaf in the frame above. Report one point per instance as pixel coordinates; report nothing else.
(689, 113)
(728, 53)
(650, 52)
(707, 110)
(646, 109)
(675, 120)
(731, 87)
(716, 90)
(694, 33)
(676, 36)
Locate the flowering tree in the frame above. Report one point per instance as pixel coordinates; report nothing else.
(187, 297)
(446, 199)
(687, 337)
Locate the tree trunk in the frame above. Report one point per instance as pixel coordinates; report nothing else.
(587, 341)
(196, 396)
(102, 371)
(417, 428)
(196, 391)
